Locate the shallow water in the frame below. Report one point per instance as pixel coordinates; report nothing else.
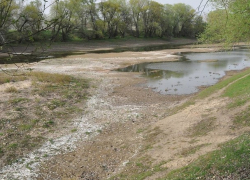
(192, 71)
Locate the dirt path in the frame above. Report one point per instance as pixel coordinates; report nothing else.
(118, 110)
(195, 131)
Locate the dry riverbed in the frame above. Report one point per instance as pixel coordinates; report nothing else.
(122, 121)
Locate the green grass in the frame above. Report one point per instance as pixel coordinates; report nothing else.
(56, 103)
(73, 130)
(239, 92)
(242, 119)
(231, 160)
(239, 95)
(212, 89)
(15, 101)
(13, 146)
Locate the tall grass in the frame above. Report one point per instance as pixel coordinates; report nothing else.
(50, 78)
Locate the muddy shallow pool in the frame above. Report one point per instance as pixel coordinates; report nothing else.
(192, 71)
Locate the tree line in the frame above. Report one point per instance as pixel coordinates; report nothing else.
(22, 21)
(228, 23)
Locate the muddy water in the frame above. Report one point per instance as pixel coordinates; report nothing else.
(192, 71)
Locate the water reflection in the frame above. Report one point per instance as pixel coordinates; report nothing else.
(192, 71)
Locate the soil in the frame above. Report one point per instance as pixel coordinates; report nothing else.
(119, 114)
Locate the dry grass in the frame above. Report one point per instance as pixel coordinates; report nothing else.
(34, 113)
(191, 150)
(11, 89)
(48, 78)
(203, 127)
(5, 78)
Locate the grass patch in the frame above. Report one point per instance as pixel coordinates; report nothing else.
(73, 130)
(183, 106)
(140, 131)
(239, 92)
(242, 119)
(212, 89)
(191, 150)
(15, 101)
(150, 137)
(56, 103)
(232, 91)
(48, 124)
(25, 127)
(203, 127)
(140, 169)
(6, 78)
(231, 161)
(36, 112)
(1, 151)
(13, 146)
(11, 89)
(88, 133)
(50, 78)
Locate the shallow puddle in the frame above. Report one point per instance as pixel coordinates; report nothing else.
(192, 71)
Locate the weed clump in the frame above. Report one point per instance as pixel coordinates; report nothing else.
(11, 89)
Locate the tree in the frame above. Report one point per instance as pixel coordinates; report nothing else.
(229, 22)
(125, 23)
(8, 9)
(152, 13)
(199, 26)
(216, 26)
(167, 21)
(22, 22)
(136, 7)
(29, 21)
(110, 11)
(64, 14)
(183, 17)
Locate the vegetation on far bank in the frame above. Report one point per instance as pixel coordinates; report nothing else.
(89, 19)
(35, 106)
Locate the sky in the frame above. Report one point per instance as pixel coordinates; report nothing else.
(193, 3)
(198, 5)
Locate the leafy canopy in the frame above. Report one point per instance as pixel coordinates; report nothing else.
(229, 23)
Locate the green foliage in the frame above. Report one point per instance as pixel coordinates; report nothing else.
(217, 21)
(76, 19)
(183, 17)
(228, 25)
